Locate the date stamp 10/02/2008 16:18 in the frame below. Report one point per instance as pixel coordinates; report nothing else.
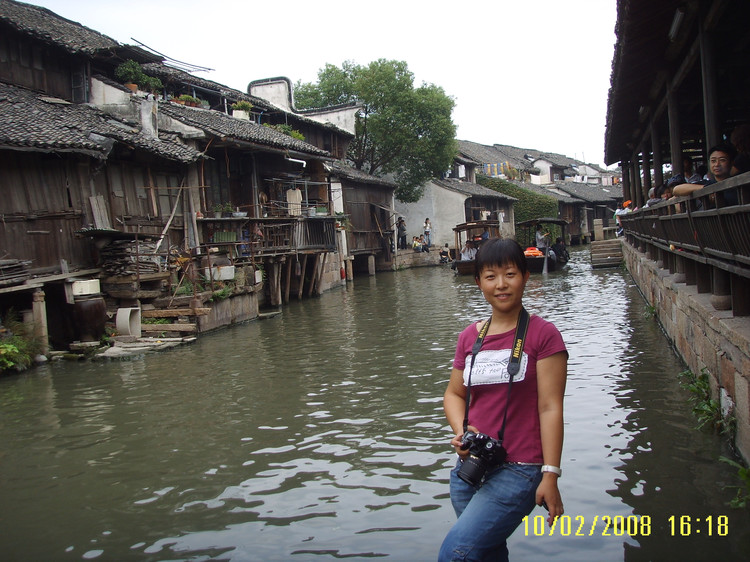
(626, 525)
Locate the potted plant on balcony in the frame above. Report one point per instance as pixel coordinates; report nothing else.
(241, 109)
(132, 76)
(129, 72)
(188, 100)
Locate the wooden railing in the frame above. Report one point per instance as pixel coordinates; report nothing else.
(704, 238)
(274, 236)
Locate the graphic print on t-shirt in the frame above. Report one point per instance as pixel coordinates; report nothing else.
(491, 367)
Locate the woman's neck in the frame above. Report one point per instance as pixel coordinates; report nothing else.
(504, 321)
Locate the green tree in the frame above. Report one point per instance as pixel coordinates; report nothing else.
(400, 129)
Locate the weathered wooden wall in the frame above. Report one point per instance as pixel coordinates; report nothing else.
(45, 199)
(36, 66)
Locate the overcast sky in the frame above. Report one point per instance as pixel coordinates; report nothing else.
(528, 73)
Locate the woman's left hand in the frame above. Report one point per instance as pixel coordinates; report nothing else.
(548, 493)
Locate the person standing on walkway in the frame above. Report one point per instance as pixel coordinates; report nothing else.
(509, 443)
(427, 228)
(401, 227)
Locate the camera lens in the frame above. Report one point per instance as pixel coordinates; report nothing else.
(472, 471)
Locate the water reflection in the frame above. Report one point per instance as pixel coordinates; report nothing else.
(319, 433)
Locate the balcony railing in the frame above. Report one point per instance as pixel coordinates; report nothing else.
(275, 236)
(704, 237)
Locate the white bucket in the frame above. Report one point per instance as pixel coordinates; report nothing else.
(128, 322)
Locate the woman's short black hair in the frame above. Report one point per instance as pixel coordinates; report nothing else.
(500, 252)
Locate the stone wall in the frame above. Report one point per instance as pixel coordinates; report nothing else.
(406, 259)
(703, 336)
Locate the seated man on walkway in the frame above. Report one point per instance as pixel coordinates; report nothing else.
(720, 162)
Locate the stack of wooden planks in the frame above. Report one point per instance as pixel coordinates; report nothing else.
(14, 272)
(130, 257)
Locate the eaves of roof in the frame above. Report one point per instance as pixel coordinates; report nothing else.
(471, 189)
(340, 168)
(35, 122)
(591, 193)
(539, 190)
(48, 27)
(168, 74)
(221, 125)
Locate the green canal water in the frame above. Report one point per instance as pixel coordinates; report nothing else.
(318, 435)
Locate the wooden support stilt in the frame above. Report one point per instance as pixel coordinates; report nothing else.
(314, 276)
(288, 283)
(302, 278)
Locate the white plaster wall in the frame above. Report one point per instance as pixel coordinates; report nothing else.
(103, 94)
(275, 92)
(343, 118)
(445, 209)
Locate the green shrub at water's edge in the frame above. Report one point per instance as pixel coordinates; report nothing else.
(743, 492)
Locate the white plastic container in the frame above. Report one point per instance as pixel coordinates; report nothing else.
(220, 272)
(86, 287)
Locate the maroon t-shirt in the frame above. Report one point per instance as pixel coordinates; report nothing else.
(489, 385)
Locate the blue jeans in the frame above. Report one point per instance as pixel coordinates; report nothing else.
(488, 516)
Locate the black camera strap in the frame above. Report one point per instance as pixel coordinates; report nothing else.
(514, 365)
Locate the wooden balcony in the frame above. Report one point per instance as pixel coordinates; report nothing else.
(704, 238)
(276, 236)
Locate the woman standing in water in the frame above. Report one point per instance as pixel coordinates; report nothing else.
(508, 429)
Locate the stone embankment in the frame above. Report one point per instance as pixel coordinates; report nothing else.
(705, 338)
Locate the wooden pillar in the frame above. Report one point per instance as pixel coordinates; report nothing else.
(740, 296)
(371, 264)
(656, 151)
(710, 98)
(675, 133)
(690, 272)
(39, 313)
(301, 281)
(703, 277)
(321, 272)
(679, 266)
(274, 285)
(315, 272)
(721, 298)
(637, 190)
(646, 176)
(625, 166)
(288, 282)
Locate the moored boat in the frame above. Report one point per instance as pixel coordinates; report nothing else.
(475, 232)
(557, 256)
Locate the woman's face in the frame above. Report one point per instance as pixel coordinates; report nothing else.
(503, 286)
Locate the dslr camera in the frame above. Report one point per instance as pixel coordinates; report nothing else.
(484, 453)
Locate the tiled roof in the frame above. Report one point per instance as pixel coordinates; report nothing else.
(168, 74)
(562, 197)
(471, 189)
(519, 158)
(340, 168)
(52, 29)
(591, 192)
(32, 121)
(219, 124)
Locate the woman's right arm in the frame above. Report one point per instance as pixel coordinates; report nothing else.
(454, 404)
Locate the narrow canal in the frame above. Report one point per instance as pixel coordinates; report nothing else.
(319, 434)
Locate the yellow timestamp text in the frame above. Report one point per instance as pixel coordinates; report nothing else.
(624, 525)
